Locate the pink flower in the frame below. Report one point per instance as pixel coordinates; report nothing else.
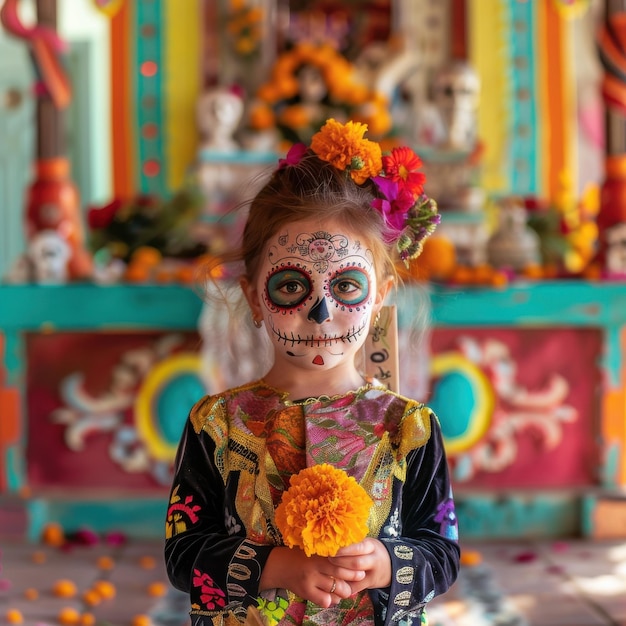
(395, 205)
(293, 156)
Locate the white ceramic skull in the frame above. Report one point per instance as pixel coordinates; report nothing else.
(49, 254)
(219, 111)
(456, 91)
(616, 249)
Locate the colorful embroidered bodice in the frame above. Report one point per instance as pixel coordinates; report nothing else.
(235, 460)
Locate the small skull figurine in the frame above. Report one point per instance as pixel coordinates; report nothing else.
(456, 91)
(615, 254)
(49, 254)
(219, 111)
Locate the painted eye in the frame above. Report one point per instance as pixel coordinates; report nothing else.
(288, 288)
(350, 287)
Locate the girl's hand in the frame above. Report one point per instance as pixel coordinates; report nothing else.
(313, 578)
(368, 556)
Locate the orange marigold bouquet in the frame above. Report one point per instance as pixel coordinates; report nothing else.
(323, 510)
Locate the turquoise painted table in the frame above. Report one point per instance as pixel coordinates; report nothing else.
(26, 309)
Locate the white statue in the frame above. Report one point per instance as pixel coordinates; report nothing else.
(615, 255)
(455, 94)
(49, 255)
(219, 111)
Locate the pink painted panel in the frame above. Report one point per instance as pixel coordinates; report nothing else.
(85, 429)
(520, 407)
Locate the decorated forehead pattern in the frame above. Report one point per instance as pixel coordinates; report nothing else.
(319, 248)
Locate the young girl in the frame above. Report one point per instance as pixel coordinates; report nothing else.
(319, 250)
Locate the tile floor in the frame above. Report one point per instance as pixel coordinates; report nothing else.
(540, 583)
(546, 583)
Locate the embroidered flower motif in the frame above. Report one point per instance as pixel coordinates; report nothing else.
(446, 516)
(232, 526)
(180, 513)
(393, 527)
(272, 610)
(323, 510)
(344, 147)
(211, 596)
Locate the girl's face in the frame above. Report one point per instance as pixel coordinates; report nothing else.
(316, 291)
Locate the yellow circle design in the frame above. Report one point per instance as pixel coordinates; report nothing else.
(480, 418)
(166, 370)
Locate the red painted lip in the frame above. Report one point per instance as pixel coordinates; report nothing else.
(318, 360)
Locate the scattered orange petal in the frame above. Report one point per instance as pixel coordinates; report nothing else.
(13, 616)
(137, 273)
(68, 616)
(106, 563)
(156, 590)
(53, 535)
(533, 271)
(592, 272)
(147, 256)
(31, 593)
(87, 619)
(38, 557)
(471, 557)
(105, 589)
(141, 620)
(147, 562)
(64, 588)
(92, 598)
(499, 279)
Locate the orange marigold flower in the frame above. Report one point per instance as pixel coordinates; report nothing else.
(343, 146)
(295, 116)
(261, 117)
(323, 510)
(401, 166)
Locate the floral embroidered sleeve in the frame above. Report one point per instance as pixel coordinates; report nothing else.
(206, 557)
(425, 553)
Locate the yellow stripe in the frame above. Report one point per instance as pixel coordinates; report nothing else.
(181, 86)
(488, 52)
(570, 105)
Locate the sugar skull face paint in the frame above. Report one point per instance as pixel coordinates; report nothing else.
(316, 290)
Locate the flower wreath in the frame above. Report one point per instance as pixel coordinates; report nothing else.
(345, 93)
(409, 215)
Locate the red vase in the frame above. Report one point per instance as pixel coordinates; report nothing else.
(53, 203)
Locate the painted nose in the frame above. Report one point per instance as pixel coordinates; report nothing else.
(319, 312)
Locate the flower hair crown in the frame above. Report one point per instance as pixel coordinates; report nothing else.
(409, 215)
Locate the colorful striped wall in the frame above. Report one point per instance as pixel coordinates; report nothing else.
(155, 82)
(527, 116)
(522, 51)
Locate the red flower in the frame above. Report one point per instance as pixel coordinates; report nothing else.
(101, 217)
(401, 166)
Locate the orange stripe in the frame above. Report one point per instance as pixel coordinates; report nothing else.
(613, 422)
(121, 99)
(556, 75)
